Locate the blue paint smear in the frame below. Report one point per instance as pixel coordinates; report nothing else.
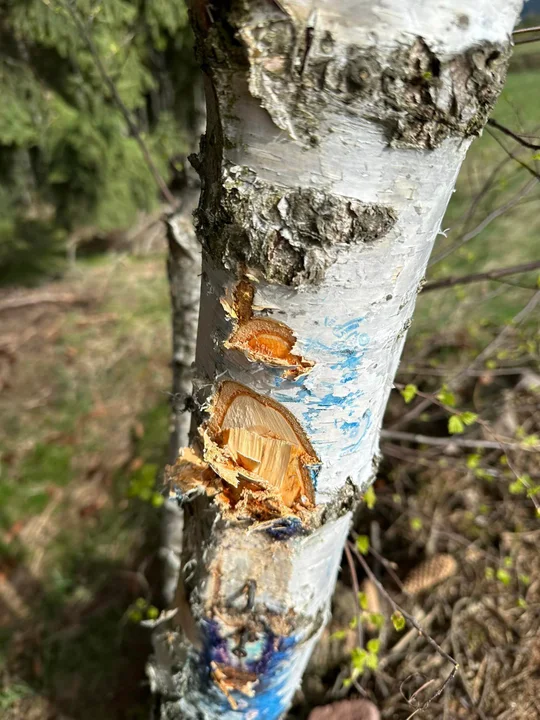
(344, 357)
(270, 659)
(357, 430)
(285, 528)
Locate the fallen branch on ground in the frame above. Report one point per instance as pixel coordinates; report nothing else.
(40, 298)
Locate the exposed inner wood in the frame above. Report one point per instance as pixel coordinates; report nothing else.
(263, 443)
(271, 342)
(262, 339)
(255, 458)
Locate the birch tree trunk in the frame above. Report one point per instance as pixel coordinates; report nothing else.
(335, 132)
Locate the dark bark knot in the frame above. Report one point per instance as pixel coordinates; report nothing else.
(300, 74)
(289, 236)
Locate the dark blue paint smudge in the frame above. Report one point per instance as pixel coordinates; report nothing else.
(285, 528)
(272, 668)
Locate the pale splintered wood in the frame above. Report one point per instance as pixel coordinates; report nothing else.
(264, 456)
(254, 453)
(263, 440)
(246, 411)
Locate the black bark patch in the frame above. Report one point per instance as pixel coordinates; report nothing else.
(427, 99)
(298, 72)
(288, 236)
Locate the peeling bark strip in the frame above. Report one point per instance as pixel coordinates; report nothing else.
(336, 129)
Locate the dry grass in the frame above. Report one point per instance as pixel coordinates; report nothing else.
(83, 411)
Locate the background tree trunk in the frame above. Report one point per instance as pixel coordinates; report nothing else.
(335, 134)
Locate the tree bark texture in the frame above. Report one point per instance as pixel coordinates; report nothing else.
(335, 132)
(184, 268)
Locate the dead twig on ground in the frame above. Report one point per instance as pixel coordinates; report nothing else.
(17, 302)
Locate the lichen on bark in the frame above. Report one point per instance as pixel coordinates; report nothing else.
(289, 236)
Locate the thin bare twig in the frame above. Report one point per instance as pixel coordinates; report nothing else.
(493, 345)
(525, 42)
(89, 42)
(478, 277)
(518, 138)
(520, 31)
(41, 298)
(443, 372)
(410, 619)
(356, 588)
(527, 167)
(493, 215)
(449, 441)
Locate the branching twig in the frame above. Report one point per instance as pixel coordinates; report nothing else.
(416, 625)
(86, 36)
(527, 167)
(477, 277)
(493, 345)
(493, 215)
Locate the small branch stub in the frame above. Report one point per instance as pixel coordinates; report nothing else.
(262, 339)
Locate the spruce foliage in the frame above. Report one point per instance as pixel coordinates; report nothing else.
(66, 155)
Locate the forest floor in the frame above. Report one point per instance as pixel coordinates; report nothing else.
(84, 423)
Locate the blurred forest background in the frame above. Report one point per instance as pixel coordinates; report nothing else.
(85, 375)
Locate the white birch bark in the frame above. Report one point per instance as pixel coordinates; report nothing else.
(336, 129)
(184, 268)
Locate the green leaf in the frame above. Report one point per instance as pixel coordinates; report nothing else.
(473, 461)
(455, 425)
(524, 579)
(409, 392)
(362, 600)
(358, 659)
(372, 661)
(157, 500)
(416, 524)
(504, 577)
(376, 619)
(516, 487)
(398, 621)
(362, 543)
(369, 498)
(468, 418)
(446, 396)
(373, 645)
(338, 635)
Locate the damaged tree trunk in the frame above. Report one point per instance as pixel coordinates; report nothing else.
(335, 132)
